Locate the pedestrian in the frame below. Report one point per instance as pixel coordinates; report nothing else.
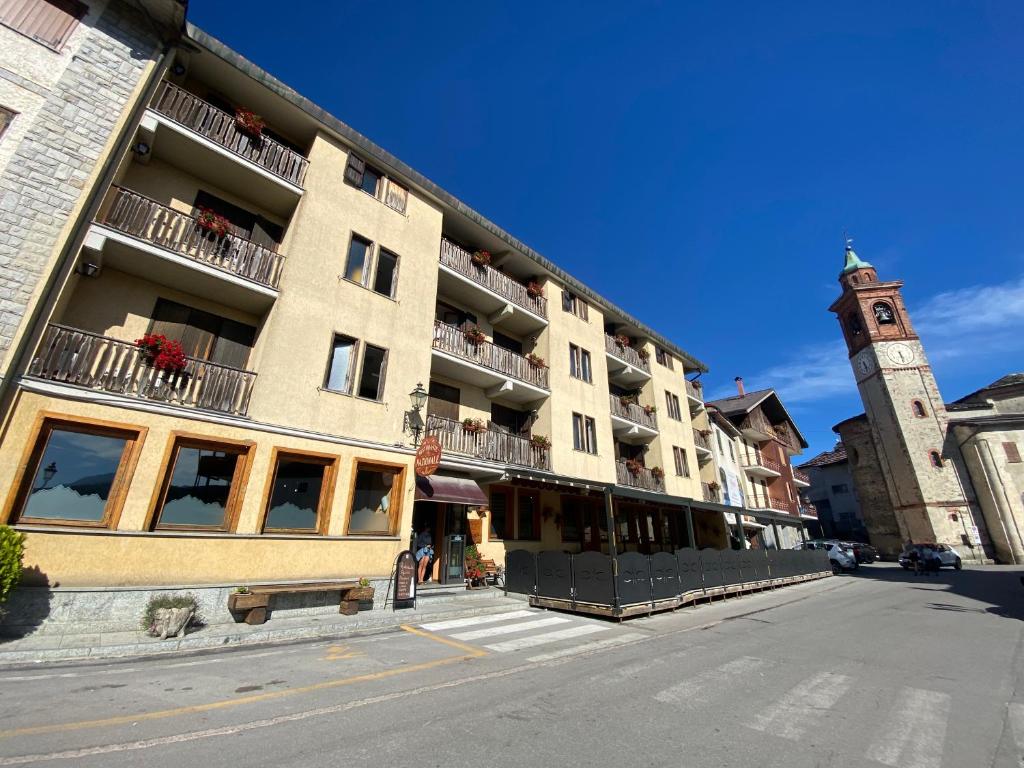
(424, 553)
(914, 556)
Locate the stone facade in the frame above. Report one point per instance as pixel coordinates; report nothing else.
(69, 105)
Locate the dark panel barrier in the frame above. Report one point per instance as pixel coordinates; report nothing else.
(520, 571)
(823, 564)
(665, 576)
(731, 566)
(748, 570)
(690, 577)
(774, 564)
(634, 579)
(554, 575)
(592, 577)
(711, 567)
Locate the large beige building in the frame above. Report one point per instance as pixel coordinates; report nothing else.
(263, 317)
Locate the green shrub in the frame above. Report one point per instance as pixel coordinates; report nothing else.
(157, 602)
(12, 548)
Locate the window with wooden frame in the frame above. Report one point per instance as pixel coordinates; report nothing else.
(76, 472)
(49, 22)
(204, 335)
(341, 364)
(682, 466)
(1012, 453)
(663, 357)
(527, 515)
(575, 305)
(6, 118)
(371, 266)
(376, 183)
(584, 433)
(376, 499)
(203, 485)
(300, 491)
(443, 400)
(242, 222)
(372, 372)
(579, 364)
(672, 403)
(502, 501)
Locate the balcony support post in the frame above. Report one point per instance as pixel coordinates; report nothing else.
(689, 526)
(493, 392)
(502, 314)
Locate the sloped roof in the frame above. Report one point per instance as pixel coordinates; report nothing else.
(740, 405)
(1009, 380)
(823, 459)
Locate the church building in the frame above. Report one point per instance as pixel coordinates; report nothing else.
(925, 470)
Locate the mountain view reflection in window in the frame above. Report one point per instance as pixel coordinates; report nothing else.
(74, 477)
(371, 502)
(295, 501)
(199, 488)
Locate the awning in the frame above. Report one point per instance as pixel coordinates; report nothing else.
(457, 490)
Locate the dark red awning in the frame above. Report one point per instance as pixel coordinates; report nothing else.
(456, 490)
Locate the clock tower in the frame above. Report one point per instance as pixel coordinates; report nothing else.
(906, 415)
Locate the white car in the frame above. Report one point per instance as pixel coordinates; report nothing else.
(840, 559)
(946, 554)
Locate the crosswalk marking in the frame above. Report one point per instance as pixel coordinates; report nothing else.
(594, 646)
(440, 626)
(688, 689)
(532, 641)
(521, 626)
(803, 706)
(1016, 717)
(916, 730)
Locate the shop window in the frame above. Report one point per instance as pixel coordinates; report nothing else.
(919, 410)
(936, 459)
(203, 486)
(300, 494)
(376, 496)
(527, 516)
(77, 474)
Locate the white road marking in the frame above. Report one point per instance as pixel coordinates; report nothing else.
(594, 646)
(532, 641)
(440, 626)
(691, 688)
(803, 706)
(1015, 714)
(916, 732)
(521, 626)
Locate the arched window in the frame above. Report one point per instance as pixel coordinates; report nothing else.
(919, 410)
(854, 279)
(883, 313)
(853, 323)
(936, 459)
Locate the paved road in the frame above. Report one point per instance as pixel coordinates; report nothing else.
(876, 669)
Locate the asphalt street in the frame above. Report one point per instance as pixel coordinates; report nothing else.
(879, 668)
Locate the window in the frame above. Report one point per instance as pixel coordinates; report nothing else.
(663, 357)
(672, 401)
(501, 519)
(579, 364)
(49, 22)
(574, 304)
(935, 458)
(528, 515)
(732, 454)
(300, 495)
(584, 433)
(443, 401)
(918, 407)
(718, 439)
(682, 466)
(572, 519)
(883, 313)
(6, 118)
(1012, 453)
(387, 270)
(204, 335)
(840, 488)
(77, 474)
(376, 495)
(243, 223)
(341, 364)
(371, 379)
(358, 259)
(376, 183)
(203, 486)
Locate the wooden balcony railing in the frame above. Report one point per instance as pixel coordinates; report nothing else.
(694, 389)
(801, 476)
(772, 503)
(452, 339)
(626, 354)
(99, 362)
(490, 444)
(709, 493)
(216, 125)
(701, 440)
(754, 460)
(632, 412)
(461, 260)
(644, 479)
(809, 510)
(146, 219)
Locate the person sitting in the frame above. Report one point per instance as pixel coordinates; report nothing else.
(424, 553)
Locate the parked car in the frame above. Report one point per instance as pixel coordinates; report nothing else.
(841, 559)
(864, 553)
(946, 555)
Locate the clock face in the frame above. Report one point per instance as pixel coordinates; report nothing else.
(864, 364)
(899, 353)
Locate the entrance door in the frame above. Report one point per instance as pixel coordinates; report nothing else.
(453, 551)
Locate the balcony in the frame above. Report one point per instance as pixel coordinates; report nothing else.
(506, 301)
(702, 441)
(198, 137)
(801, 478)
(500, 372)
(83, 359)
(710, 494)
(625, 365)
(489, 444)
(631, 420)
(642, 478)
(140, 236)
(772, 504)
(760, 466)
(694, 395)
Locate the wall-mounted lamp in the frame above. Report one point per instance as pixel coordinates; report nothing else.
(141, 149)
(88, 269)
(178, 69)
(413, 421)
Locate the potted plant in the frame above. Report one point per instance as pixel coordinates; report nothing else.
(622, 340)
(713, 486)
(475, 334)
(633, 466)
(643, 354)
(540, 441)
(210, 221)
(363, 593)
(162, 353)
(249, 122)
(473, 425)
(481, 258)
(169, 615)
(242, 599)
(657, 473)
(650, 409)
(536, 361)
(475, 573)
(534, 290)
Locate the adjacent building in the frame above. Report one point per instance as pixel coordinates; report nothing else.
(833, 495)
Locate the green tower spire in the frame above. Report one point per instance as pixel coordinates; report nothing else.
(853, 261)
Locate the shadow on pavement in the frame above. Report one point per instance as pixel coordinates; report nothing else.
(999, 586)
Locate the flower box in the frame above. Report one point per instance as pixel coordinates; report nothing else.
(473, 425)
(481, 258)
(643, 354)
(633, 466)
(475, 334)
(540, 441)
(657, 473)
(245, 601)
(536, 361)
(162, 353)
(622, 340)
(362, 594)
(212, 222)
(534, 290)
(650, 409)
(249, 122)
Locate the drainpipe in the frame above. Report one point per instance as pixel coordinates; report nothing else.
(72, 245)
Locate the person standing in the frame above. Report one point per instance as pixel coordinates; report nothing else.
(424, 553)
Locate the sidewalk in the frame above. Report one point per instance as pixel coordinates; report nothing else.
(51, 647)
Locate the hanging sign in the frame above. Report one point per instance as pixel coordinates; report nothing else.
(428, 456)
(405, 580)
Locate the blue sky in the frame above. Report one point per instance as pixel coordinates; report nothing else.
(697, 163)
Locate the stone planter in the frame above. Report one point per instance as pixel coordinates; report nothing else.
(171, 622)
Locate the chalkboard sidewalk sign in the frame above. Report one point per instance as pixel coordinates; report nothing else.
(404, 576)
